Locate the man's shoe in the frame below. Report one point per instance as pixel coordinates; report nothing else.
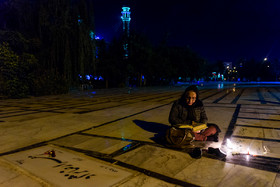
(216, 152)
(196, 153)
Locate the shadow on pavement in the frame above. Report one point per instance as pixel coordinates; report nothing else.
(158, 128)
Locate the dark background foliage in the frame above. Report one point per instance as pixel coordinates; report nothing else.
(48, 47)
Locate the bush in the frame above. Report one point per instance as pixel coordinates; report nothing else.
(21, 76)
(49, 82)
(14, 72)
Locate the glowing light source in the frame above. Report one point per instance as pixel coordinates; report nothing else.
(247, 157)
(229, 144)
(125, 14)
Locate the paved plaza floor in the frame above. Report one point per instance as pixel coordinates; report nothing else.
(114, 137)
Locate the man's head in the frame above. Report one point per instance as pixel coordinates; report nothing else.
(190, 97)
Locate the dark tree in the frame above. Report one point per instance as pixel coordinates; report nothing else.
(59, 33)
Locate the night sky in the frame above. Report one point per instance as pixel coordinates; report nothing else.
(217, 30)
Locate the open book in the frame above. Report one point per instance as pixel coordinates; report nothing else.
(194, 126)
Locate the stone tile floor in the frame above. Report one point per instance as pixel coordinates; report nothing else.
(114, 138)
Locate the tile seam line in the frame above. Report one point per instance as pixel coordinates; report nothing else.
(247, 106)
(254, 126)
(261, 98)
(232, 123)
(222, 97)
(275, 96)
(242, 112)
(261, 119)
(256, 138)
(234, 101)
(211, 95)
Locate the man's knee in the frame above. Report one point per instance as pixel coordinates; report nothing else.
(210, 131)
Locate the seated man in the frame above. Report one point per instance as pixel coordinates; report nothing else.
(188, 110)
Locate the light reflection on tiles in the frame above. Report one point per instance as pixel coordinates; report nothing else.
(254, 147)
(244, 146)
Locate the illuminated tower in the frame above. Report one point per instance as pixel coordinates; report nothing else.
(126, 20)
